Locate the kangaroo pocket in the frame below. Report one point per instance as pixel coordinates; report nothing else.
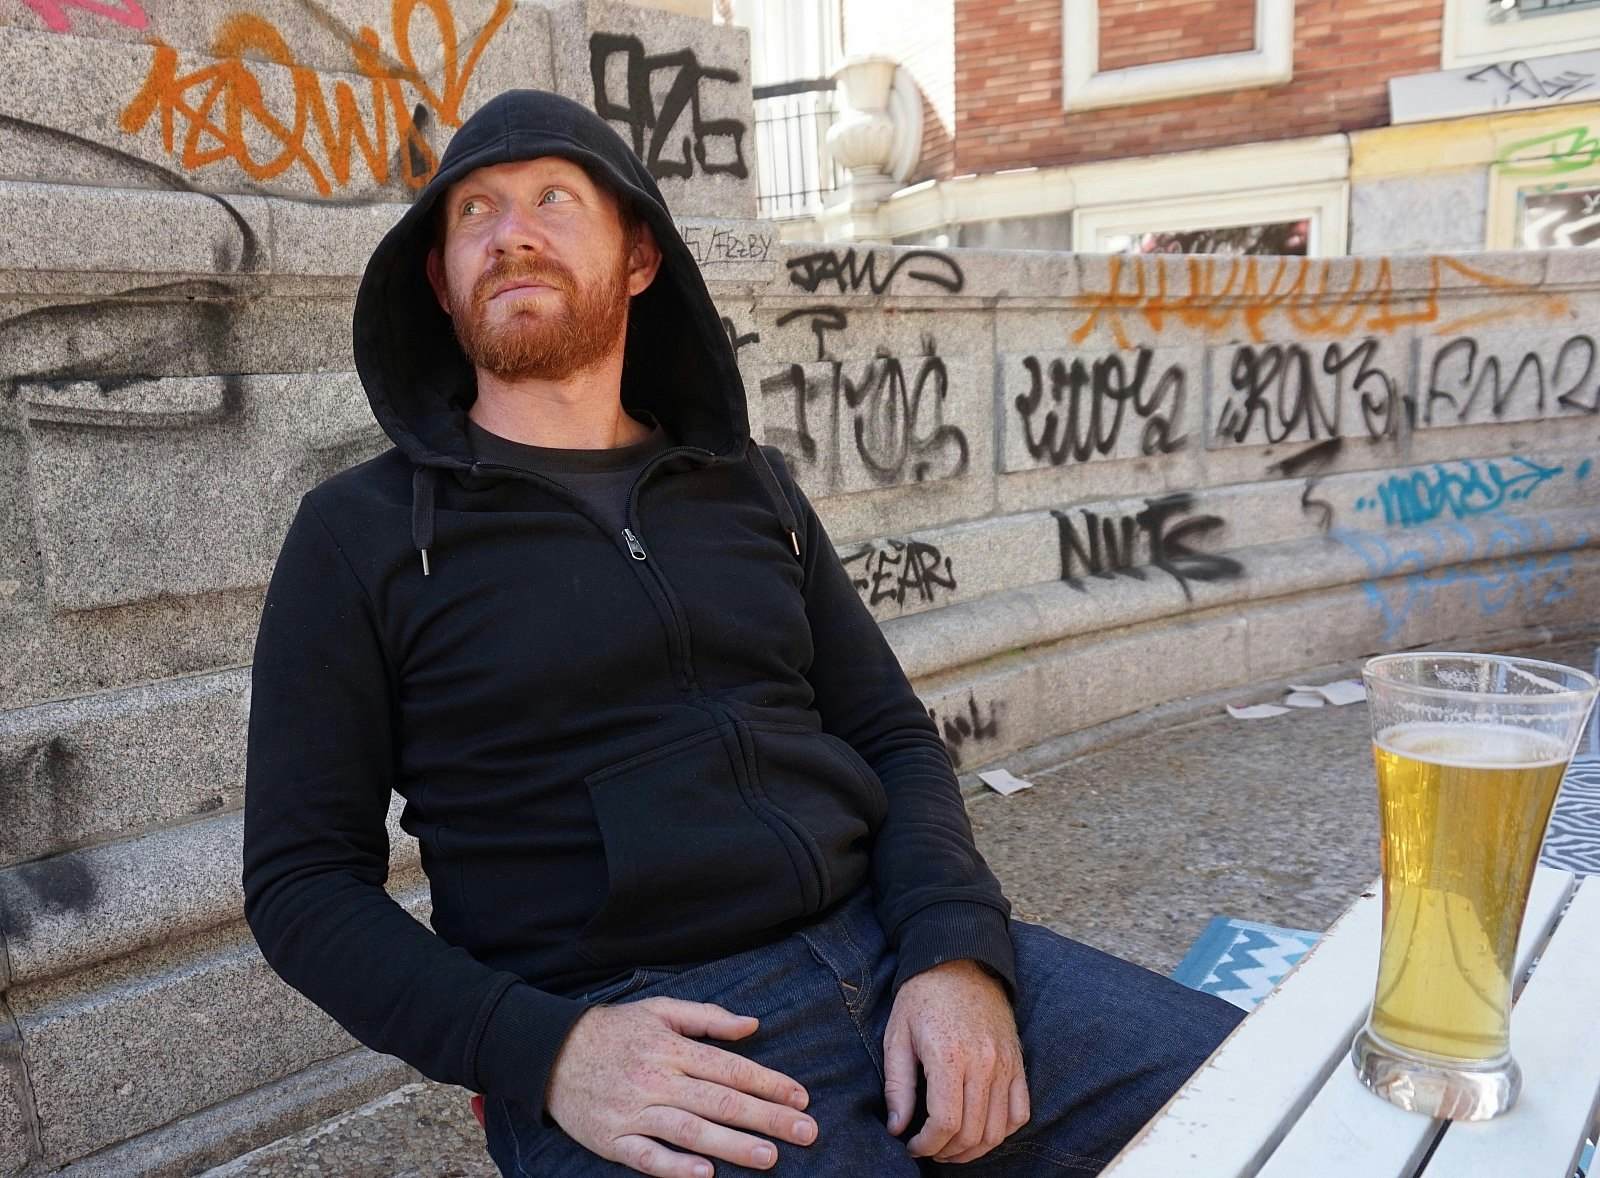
(715, 838)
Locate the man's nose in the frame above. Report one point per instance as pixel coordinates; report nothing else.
(517, 231)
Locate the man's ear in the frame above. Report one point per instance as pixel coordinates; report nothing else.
(435, 268)
(644, 260)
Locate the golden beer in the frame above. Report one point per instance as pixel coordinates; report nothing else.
(1463, 809)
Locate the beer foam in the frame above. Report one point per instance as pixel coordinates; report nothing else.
(1471, 745)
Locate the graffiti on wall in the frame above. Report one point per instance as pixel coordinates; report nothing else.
(1106, 406)
(1472, 382)
(1250, 294)
(54, 12)
(848, 272)
(671, 135)
(1293, 392)
(899, 571)
(1513, 563)
(221, 111)
(876, 422)
(1461, 490)
(1095, 544)
(967, 727)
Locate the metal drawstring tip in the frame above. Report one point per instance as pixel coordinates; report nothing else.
(425, 572)
(794, 541)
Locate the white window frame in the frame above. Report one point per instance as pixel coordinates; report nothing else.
(1085, 86)
(1110, 205)
(1470, 38)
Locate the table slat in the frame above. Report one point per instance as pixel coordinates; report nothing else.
(1231, 1113)
(1555, 1037)
(1347, 1129)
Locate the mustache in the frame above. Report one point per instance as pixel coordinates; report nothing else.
(506, 269)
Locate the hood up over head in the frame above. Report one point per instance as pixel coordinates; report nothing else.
(678, 364)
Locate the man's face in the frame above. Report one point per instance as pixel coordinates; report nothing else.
(536, 269)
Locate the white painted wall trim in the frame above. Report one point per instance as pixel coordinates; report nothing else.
(1469, 38)
(1086, 87)
(1196, 187)
(1325, 206)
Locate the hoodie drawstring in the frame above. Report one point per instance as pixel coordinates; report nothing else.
(423, 482)
(769, 480)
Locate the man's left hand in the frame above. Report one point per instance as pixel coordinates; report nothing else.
(956, 1021)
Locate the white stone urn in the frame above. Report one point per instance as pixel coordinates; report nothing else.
(863, 138)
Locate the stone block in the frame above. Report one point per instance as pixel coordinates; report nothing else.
(899, 575)
(131, 1045)
(21, 576)
(1411, 214)
(675, 88)
(51, 656)
(1496, 376)
(332, 239)
(984, 717)
(1314, 629)
(133, 231)
(16, 1138)
(129, 513)
(1573, 267)
(1451, 489)
(732, 251)
(78, 909)
(100, 765)
(1058, 408)
(368, 125)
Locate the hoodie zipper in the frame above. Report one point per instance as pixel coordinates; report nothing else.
(769, 813)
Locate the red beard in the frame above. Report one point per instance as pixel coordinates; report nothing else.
(541, 345)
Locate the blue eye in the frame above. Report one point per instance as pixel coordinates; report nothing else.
(471, 206)
(554, 195)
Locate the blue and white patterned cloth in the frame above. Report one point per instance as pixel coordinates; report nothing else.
(1573, 843)
(1240, 960)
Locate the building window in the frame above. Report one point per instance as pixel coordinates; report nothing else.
(1086, 87)
(1487, 32)
(1285, 238)
(1544, 192)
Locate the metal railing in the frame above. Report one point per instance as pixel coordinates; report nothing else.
(794, 171)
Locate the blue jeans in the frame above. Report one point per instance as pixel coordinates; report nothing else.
(1105, 1043)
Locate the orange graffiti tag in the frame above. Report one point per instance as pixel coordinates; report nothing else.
(226, 115)
(1303, 290)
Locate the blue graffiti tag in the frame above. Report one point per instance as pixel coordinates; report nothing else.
(1458, 489)
(1511, 563)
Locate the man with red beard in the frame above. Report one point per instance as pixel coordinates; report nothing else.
(703, 887)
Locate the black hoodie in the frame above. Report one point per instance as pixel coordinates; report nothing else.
(615, 750)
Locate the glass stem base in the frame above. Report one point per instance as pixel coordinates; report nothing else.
(1454, 1090)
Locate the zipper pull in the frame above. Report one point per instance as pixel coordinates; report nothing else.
(633, 544)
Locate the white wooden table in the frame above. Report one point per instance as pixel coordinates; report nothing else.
(1280, 1099)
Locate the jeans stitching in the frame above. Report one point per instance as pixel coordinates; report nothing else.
(516, 1144)
(1047, 1153)
(862, 976)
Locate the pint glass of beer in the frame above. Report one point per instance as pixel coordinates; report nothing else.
(1471, 750)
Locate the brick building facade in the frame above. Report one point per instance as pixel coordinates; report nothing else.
(1316, 126)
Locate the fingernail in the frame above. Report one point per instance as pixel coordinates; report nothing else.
(798, 1099)
(702, 1171)
(764, 1155)
(805, 1131)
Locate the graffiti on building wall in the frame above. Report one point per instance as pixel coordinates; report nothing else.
(1524, 81)
(1248, 294)
(1461, 490)
(967, 727)
(220, 110)
(1471, 382)
(848, 272)
(1091, 401)
(1291, 392)
(899, 571)
(1514, 563)
(1559, 220)
(1094, 544)
(875, 422)
(1555, 154)
(671, 135)
(54, 12)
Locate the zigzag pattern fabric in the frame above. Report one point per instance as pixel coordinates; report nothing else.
(1241, 960)
(1573, 842)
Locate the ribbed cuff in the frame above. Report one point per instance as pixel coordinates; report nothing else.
(952, 931)
(520, 1042)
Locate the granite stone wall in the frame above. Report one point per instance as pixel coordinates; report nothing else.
(1071, 487)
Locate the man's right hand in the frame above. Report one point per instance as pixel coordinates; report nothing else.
(630, 1077)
